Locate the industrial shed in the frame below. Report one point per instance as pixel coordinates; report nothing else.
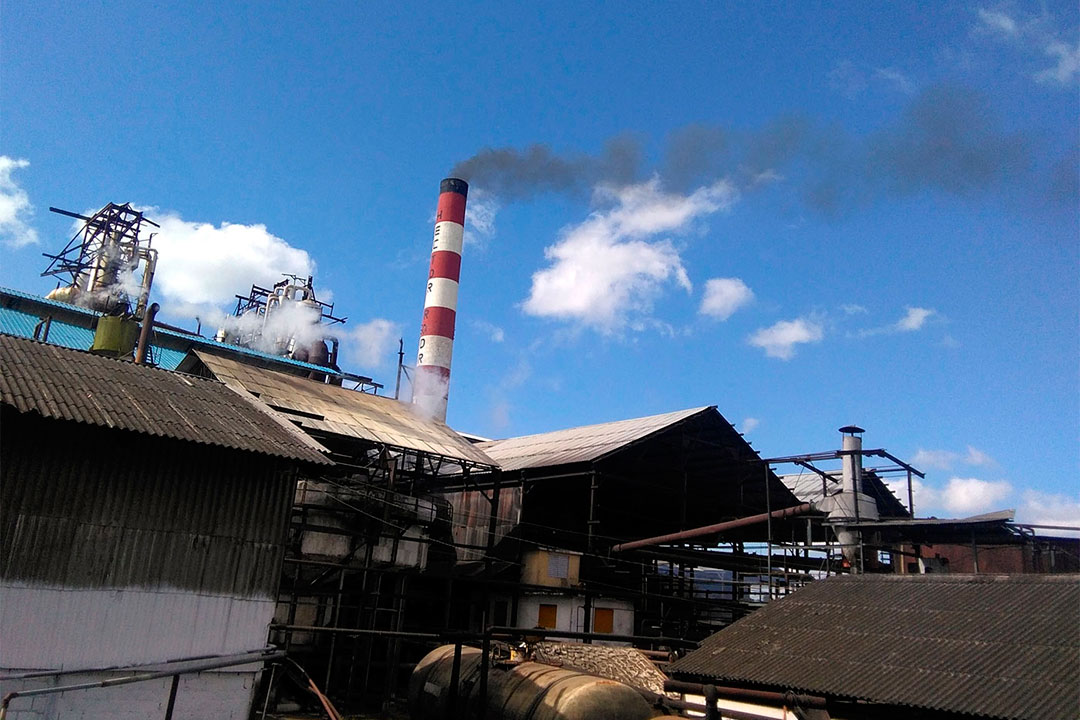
(911, 646)
(566, 497)
(144, 523)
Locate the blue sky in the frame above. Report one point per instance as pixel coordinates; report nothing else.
(806, 214)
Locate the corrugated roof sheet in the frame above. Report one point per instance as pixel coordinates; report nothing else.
(65, 384)
(22, 324)
(332, 409)
(580, 444)
(807, 486)
(991, 645)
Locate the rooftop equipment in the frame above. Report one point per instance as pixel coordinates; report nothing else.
(431, 387)
(103, 261)
(287, 319)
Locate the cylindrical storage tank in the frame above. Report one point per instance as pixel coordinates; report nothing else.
(528, 691)
(431, 386)
(429, 684)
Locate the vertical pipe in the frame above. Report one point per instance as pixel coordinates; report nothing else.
(144, 334)
(431, 387)
(400, 362)
(910, 496)
(172, 697)
(768, 518)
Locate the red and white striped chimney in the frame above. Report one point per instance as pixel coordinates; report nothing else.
(431, 386)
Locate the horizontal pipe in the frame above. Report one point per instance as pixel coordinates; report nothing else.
(199, 666)
(712, 529)
(356, 631)
(761, 696)
(674, 642)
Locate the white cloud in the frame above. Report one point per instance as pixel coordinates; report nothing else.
(959, 498)
(723, 296)
(1041, 508)
(934, 459)
(494, 332)
(971, 496)
(15, 207)
(978, 458)
(914, 319)
(748, 425)
(998, 21)
(372, 344)
(203, 264)
(779, 340)
(480, 214)
(947, 459)
(606, 270)
(852, 309)
(1067, 67)
(896, 78)
(1035, 34)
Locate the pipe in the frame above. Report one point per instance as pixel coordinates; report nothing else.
(718, 527)
(147, 280)
(144, 334)
(210, 664)
(42, 329)
(431, 388)
(761, 696)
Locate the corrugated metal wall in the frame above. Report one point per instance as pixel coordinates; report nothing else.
(91, 508)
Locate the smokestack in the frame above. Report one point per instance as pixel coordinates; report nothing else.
(852, 459)
(431, 386)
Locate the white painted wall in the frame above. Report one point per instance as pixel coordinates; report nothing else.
(213, 695)
(571, 613)
(52, 628)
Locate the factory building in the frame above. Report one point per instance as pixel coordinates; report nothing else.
(144, 525)
(250, 491)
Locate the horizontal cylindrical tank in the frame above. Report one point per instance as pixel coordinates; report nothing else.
(527, 691)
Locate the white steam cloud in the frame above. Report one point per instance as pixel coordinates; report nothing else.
(723, 296)
(779, 340)
(15, 207)
(607, 269)
(205, 264)
(373, 343)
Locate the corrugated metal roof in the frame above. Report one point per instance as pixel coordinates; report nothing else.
(68, 307)
(22, 324)
(807, 486)
(332, 409)
(1003, 646)
(64, 384)
(580, 444)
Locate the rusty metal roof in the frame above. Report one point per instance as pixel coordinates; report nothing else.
(335, 410)
(64, 384)
(580, 444)
(1000, 646)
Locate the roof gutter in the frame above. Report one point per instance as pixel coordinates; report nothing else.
(713, 529)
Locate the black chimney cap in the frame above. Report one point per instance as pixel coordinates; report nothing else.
(853, 429)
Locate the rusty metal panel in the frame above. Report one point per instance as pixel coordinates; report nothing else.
(331, 409)
(1002, 646)
(63, 384)
(580, 444)
(86, 507)
(472, 513)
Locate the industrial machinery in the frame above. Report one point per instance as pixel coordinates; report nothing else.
(109, 268)
(286, 319)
